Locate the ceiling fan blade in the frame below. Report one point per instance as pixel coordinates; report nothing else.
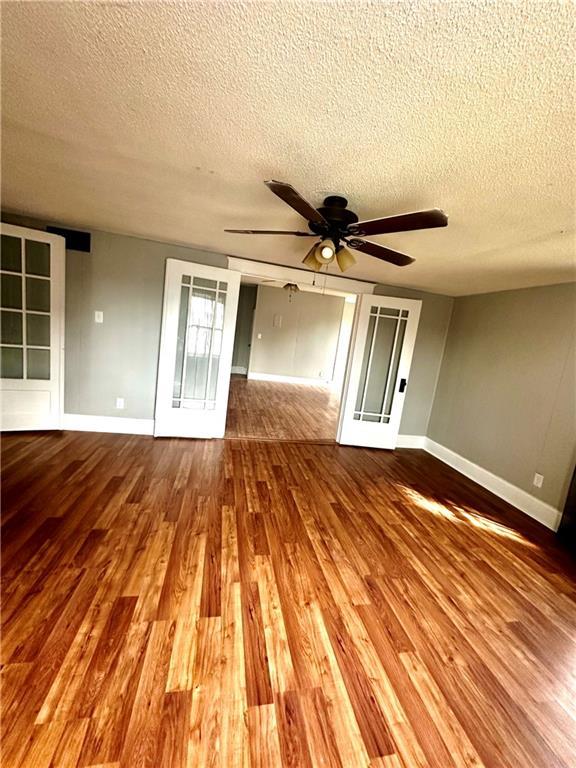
(270, 232)
(380, 252)
(287, 193)
(404, 222)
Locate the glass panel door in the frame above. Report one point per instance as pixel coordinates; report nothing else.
(385, 332)
(32, 327)
(196, 349)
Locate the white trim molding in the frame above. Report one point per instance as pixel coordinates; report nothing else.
(411, 441)
(306, 279)
(76, 422)
(241, 369)
(255, 376)
(541, 511)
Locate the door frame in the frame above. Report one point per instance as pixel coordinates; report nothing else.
(57, 322)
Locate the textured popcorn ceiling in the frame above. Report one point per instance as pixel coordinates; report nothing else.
(162, 119)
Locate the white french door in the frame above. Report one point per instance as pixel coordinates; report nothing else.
(32, 329)
(198, 323)
(378, 369)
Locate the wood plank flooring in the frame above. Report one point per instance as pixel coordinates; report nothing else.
(276, 411)
(176, 604)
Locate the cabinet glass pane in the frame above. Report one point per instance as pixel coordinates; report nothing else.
(181, 340)
(11, 363)
(38, 364)
(37, 294)
(11, 253)
(11, 291)
(37, 258)
(38, 330)
(11, 327)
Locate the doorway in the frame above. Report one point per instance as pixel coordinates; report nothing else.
(290, 352)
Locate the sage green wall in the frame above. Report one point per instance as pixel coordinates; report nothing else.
(506, 397)
(427, 358)
(304, 345)
(124, 278)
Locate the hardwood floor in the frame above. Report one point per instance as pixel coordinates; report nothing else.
(173, 603)
(277, 411)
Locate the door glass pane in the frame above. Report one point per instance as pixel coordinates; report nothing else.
(38, 330)
(365, 361)
(37, 294)
(203, 345)
(11, 253)
(37, 258)
(394, 369)
(203, 282)
(11, 363)
(181, 338)
(11, 291)
(380, 364)
(12, 327)
(38, 364)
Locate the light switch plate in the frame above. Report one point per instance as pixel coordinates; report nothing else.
(538, 480)
(120, 403)
(98, 316)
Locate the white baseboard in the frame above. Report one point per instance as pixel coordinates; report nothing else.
(524, 501)
(255, 376)
(239, 369)
(411, 441)
(76, 422)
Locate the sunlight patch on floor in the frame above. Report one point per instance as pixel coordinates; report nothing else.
(463, 515)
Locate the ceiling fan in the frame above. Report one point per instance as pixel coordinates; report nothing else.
(335, 224)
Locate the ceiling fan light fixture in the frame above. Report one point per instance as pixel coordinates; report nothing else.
(311, 261)
(344, 258)
(325, 252)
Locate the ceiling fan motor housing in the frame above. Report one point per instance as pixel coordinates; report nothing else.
(338, 216)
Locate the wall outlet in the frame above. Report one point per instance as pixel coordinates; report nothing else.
(120, 403)
(538, 480)
(98, 316)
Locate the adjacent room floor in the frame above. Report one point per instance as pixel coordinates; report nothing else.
(277, 411)
(174, 603)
